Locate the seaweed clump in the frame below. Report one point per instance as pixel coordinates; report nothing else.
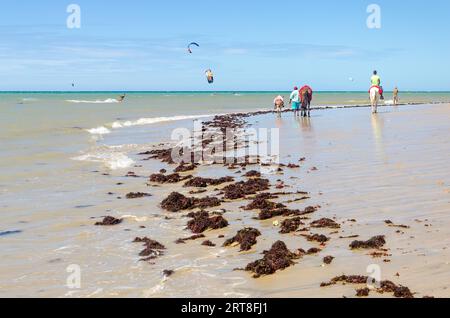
(137, 195)
(202, 221)
(164, 155)
(261, 202)
(208, 243)
(152, 250)
(320, 238)
(176, 202)
(246, 238)
(253, 174)
(328, 260)
(191, 238)
(109, 221)
(268, 213)
(185, 168)
(199, 182)
(241, 189)
(375, 242)
(171, 178)
(277, 258)
(291, 225)
(325, 223)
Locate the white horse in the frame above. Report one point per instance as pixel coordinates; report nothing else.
(374, 99)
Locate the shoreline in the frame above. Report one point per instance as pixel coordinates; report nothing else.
(151, 120)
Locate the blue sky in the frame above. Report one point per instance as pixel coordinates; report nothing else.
(250, 45)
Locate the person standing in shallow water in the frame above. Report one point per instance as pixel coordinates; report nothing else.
(395, 93)
(294, 100)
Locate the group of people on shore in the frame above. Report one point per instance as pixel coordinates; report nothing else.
(300, 99)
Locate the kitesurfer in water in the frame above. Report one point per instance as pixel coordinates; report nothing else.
(209, 76)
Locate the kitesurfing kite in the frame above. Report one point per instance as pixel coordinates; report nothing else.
(190, 46)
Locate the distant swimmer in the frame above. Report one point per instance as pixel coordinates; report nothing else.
(278, 103)
(375, 80)
(121, 98)
(395, 93)
(294, 100)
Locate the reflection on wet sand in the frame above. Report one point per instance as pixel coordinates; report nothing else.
(377, 128)
(306, 131)
(279, 121)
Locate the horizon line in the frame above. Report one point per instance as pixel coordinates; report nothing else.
(203, 91)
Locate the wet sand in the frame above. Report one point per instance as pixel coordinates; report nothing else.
(392, 166)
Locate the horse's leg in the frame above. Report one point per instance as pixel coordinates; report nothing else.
(309, 107)
(372, 102)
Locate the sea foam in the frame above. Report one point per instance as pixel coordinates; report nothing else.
(113, 161)
(99, 131)
(106, 101)
(155, 120)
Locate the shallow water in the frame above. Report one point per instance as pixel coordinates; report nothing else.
(391, 166)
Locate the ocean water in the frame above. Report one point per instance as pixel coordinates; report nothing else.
(62, 153)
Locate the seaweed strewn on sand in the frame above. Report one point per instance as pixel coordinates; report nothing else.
(191, 238)
(171, 178)
(291, 225)
(328, 260)
(261, 202)
(176, 202)
(320, 238)
(208, 243)
(375, 242)
(199, 182)
(277, 258)
(137, 195)
(152, 250)
(266, 214)
(202, 221)
(241, 189)
(246, 238)
(109, 221)
(385, 286)
(185, 167)
(325, 223)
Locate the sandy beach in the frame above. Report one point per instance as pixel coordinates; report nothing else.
(218, 157)
(383, 175)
